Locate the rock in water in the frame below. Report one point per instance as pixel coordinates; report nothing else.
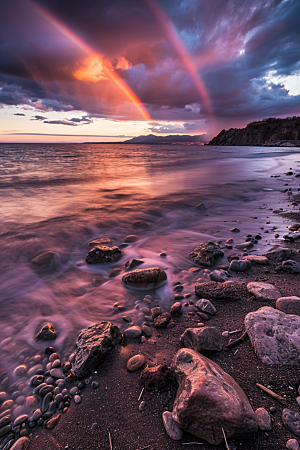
(207, 253)
(92, 346)
(263, 291)
(171, 427)
(278, 253)
(208, 399)
(43, 258)
(145, 278)
(102, 254)
(230, 290)
(199, 339)
(274, 336)
(46, 332)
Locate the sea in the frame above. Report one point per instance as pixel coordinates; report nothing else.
(58, 197)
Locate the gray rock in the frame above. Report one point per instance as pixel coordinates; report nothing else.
(102, 254)
(278, 253)
(292, 444)
(263, 291)
(240, 266)
(274, 336)
(244, 245)
(290, 266)
(43, 258)
(200, 207)
(21, 444)
(255, 259)
(291, 421)
(92, 346)
(289, 305)
(202, 339)
(56, 373)
(46, 332)
(146, 331)
(263, 419)
(206, 253)
(206, 306)
(218, 275)
(155, 312)
(145, 278)
(208, 398)
(230, 290)
(133, 263)
(133, 332)
(171, 427)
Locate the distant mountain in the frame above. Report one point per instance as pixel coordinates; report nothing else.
(267, 132)
(171, 139)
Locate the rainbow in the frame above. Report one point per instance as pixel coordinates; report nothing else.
(182, 52)
(91, 53)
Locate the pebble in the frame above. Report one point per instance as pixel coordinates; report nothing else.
(20, 371)
(298, 400)
(20, 400)
(202, 315)
(273, 410)
(178, 288)
(263, 419)
(20, 419)
(56, 373)
(163, 254)
(94, 384)
(171, 426)
(4, 430)
(46, 402)
(6, 420)
(50, 380)
(292, 444)
(3, 396)
(143, 339)
(146, 331)
(77, 399)
(59, 398)
(21, 444)
(52, 422)
(133, 332)
(155, 312)
(32, 371)
(37, 414)
(53, 357)
(135, 363)
(37, 358)
(94, 426)
(74, 391)
(162, 320)
(206, 306)
(56, 364)
(176, 309)
(8, 404)
(49, 350)
(142, 405)
(291, 420)
(145, 310)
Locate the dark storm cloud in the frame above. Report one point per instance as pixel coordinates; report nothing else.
(237, 46)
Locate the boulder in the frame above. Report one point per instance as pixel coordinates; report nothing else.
(278, 253)
(240, 266)
(102, 254)
(155, 378)
(92, 346)
(218, 275)
(206, 306)
(263, 291)
(230, 290)
(207, 253)
(202, 339)
(289, 305)
(45, 332)
(145, 278)
(274, 336)
(290, 266)
(209, 399)
(255, 259)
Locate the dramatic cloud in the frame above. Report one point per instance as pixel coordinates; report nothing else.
(222, 62)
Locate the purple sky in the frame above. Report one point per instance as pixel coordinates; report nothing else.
(197, 66)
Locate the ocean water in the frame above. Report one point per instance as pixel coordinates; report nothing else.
(59, 197)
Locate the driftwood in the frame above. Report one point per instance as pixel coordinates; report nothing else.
(271, 393)
(233, 342)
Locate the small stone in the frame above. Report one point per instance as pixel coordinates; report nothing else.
(133, 332)
(206, 253)
(255, 259)
(53, 357)
(5, 430)
(21, 444)
(52, 422)
(49, 350)
(142, 406)
(56, 373)
(200, 207)
(93, 427)
(218, 275)
(176, 309)
(278, 253)
(146, 331)
(263, 419)
(133, 263)
(115, 272)
(77, 399)
(163, 255)
(56, 364)
(66, 366)
(244, 245)
(135, 363)
(73, 391)
(20, 371)
(178, 297)
(145, 278)
(43, 258)
(292, 444)
(291, 421)
(240, 266)
(145, 310)
(202, 339)
(20, 419)
(273, 410)
(33, 370)
(102, 254)
(94, 384)
(206, 306)
(162, 320)
(171, 427)
(155, 312)
(46, 332)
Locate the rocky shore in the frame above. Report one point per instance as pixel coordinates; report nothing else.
(219, 368)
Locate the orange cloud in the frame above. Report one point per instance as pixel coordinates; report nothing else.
(123, 64)
(93, 69)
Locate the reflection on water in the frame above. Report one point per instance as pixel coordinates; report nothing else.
(58, 197)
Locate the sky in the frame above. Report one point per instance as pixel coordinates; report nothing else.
(95, 70)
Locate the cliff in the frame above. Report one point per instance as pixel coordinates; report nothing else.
(267, 132)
